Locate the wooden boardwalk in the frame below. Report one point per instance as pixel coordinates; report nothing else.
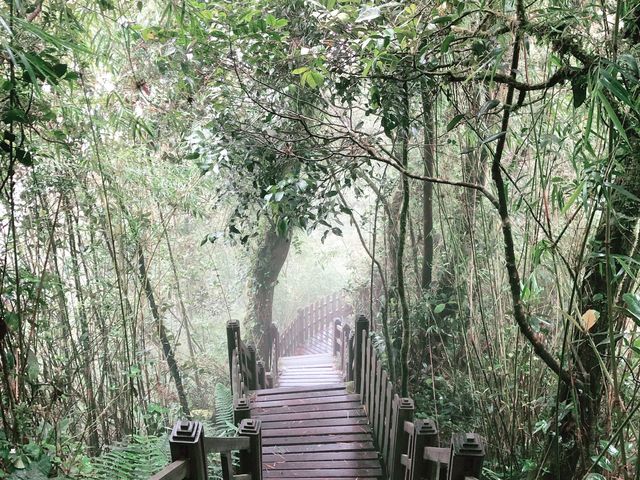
(312, 427)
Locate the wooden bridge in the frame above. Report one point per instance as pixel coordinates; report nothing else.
(321, 406)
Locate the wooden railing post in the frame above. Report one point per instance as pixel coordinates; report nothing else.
(298, 338)
(403, 409)
(233, 333)
(251, 460)
(467, 456)
(337, 333)
(362, 331)
(424, 434)
(262, 375)
(252, 366)
(187, 443)
(345, 358)
(241, 410)
(275, 353)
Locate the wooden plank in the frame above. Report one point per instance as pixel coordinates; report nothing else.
(316, 422)
(306, 401)
(228, 444)
(317, 439)
(335, 478)
(305, 408)
(375, 420)
(274, 391)
(373, 366)
(379, 429)
(322, 464)
(341, 473)
(386, 434)
(271, 417)
(318, 447)
(304, 394)
(365, 371)
(307, 431)
(177, 470)
(316, 456)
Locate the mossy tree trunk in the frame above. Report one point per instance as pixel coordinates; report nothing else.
(270, 255)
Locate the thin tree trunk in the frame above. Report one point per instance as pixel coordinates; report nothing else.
(402, 233)
(428, 153)
(183, 310)
(162, 332)
(94, 442)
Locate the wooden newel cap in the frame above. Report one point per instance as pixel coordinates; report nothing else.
(186, 431)
(250, 426)
(362, 320)
(406, 403)
(468, 445)
(426, 427)
(241, 403)
(251, 347)
(233, 324)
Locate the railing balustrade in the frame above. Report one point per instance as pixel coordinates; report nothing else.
(408, 447)
(189, 449)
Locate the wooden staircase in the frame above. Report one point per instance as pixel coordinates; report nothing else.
(312, 427)
(322, 406)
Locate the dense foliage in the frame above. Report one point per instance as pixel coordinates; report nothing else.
(162, 162)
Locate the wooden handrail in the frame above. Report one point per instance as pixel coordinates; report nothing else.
(311, 320)
(189, 448)
(408, 448)
(178, 470)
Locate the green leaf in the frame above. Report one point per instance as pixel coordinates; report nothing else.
(14, 115)
(612, 115)
(487, 107)
(283, 226)
(444, 48)
(623, 191)
(493, 137)
(615, 87)
(368, 14)
(439, 308)
(455, 121)
(300, 70)
(633, 306)
(24, 157)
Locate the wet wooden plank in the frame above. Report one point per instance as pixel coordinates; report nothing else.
(334, 464)
(304, 408)
(316, 439)
(306, 401)
(316, 456)
(310, 431)
(278, 417)
(318, 447)
(315, 422)
(324, 473)
(315, 388)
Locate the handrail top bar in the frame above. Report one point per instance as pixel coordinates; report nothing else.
(177, 470)
(225, 444)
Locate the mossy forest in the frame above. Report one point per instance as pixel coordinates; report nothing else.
(463, 173)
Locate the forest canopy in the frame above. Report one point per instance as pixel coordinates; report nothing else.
(467, 171)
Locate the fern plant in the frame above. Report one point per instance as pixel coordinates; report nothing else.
(137, 459)
(142, 456)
